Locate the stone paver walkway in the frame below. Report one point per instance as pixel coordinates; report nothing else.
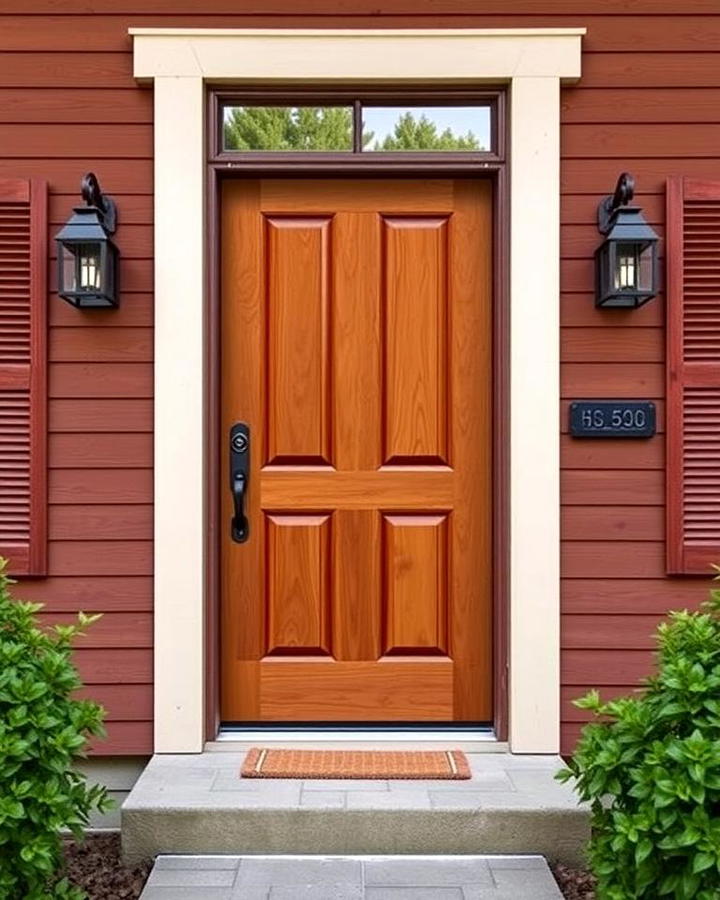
(351, 878)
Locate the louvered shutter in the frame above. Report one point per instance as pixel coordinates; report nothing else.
(23, 426)
(693, 383)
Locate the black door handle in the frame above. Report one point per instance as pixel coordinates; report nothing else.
(239, 478)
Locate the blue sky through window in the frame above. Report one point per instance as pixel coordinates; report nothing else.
(459, 119)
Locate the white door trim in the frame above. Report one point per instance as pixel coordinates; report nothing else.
(533, 62)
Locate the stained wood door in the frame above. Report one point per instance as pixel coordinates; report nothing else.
(356, 344)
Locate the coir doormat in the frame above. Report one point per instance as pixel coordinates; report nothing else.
(445, 765)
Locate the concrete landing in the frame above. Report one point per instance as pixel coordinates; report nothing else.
(351, 878)
(198, 804)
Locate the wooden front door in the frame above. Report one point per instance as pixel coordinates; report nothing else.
(356, 345)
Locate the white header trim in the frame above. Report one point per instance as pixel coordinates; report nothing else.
(533, 62)
(348, 55)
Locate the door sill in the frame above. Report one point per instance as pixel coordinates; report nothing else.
(473, 740)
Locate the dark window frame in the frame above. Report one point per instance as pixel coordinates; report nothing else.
(492, 98)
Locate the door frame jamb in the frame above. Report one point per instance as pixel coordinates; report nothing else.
(438, 165)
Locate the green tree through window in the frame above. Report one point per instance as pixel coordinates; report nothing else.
(331, 128)
(288, 128)
(422, 134)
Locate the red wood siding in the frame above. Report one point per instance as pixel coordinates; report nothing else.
(615, 589)
(649, 102)
(100, 365)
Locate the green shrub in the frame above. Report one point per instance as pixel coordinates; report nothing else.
(650, 766)
(43, 731)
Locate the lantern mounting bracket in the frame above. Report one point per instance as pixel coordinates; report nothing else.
(94, 197)
(608, 206)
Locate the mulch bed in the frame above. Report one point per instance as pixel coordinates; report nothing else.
(575, 884)
(96, 867)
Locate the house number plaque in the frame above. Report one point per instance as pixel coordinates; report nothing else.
(612, 418)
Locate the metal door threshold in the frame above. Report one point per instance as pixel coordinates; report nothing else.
(463, 737)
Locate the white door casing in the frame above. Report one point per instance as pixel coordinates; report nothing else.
(533, 62)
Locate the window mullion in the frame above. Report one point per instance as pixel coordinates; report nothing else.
(357, 126)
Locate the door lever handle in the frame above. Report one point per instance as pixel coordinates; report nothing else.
(239, 522)
(239, 480)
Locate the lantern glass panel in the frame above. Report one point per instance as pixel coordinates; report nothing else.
(627, 267)
(646, 268)
(82, 268)
(109, 286)
(633, 267)
(69, 279)
(605, 264)
(89, 268)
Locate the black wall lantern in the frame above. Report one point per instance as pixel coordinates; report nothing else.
(626, 266)
(87, 258)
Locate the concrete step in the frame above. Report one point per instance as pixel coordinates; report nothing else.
(351, 878)
(199, 804)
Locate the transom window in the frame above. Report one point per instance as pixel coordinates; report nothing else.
(462, 124)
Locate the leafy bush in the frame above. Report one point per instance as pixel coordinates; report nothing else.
(43, 730)
(650, 767)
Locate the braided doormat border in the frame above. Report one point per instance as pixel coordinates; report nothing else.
(443, 765)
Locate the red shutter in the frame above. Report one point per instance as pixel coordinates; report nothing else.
(23, 390)
(693, 370)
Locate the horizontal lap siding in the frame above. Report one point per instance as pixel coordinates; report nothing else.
(654, 112)
(649, 102)
(100, 377)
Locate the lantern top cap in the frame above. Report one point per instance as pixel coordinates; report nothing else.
(628, 224)
(84, 225)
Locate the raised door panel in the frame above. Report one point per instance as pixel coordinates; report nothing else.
(415, 334)
(297, 313)
(298, 588)
(415, 589)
